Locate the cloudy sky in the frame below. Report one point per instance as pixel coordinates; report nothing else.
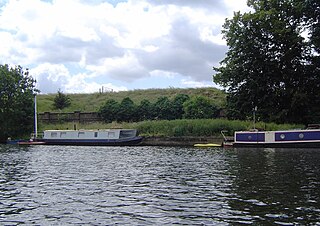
(80, 46)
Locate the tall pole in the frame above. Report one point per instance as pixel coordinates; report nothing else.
(254, 117)
(35, 117)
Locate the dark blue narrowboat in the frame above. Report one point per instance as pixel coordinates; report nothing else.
(304, 138)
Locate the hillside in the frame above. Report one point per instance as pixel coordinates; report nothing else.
(92, 102)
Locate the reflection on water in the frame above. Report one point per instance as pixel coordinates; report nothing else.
(280, 186)
(50, 185)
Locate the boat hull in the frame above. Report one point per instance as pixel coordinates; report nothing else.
(278, 145)
(93, 142)
(309, 138)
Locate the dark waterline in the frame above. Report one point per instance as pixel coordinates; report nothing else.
(52, 185)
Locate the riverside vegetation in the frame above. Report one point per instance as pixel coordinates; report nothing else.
(179, 127)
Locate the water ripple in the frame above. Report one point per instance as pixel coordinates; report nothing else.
(53, 185)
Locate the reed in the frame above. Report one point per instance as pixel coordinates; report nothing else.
(178, 128)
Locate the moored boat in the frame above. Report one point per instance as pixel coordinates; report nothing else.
(108, 137)
(300, 138)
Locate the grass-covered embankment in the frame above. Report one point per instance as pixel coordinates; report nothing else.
(91, 102)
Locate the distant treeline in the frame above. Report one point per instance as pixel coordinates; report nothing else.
(180, 107)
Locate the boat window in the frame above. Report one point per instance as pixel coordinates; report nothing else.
(63, 134)
(111, 134)
(95, 134)
(127, 133)
(81, 134)
(54, 134)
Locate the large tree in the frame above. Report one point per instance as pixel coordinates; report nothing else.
(271, 63)
(17, 90)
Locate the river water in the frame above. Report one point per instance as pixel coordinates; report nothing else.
(56, 185)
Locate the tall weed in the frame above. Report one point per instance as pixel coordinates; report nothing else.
(178, 128)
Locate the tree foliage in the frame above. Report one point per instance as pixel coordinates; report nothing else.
(145, 111)
(200, 107)
(17, 90)
(177, 105)
(270, 64)
(109, 111)
(61, 100)
(127, 110)
(163, 109)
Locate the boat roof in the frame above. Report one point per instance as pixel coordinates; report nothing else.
(277, 131)
(82, 130)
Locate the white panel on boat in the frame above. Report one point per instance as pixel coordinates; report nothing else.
(63, 134)
(111, 134)
(269, 136)
(81, 135)
(54, 134)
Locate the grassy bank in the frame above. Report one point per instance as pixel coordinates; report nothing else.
(178, 128)
(93, 101)
(174, 128)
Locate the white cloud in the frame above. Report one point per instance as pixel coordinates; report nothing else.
(78, 84)
(80, 46)
(51, 78)
(190, 83)
(125, 68)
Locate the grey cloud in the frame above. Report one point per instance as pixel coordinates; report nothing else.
(60, 49)
(103, 48)
(184, 53)
(128, 74)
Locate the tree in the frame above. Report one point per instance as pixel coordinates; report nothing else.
(310, 16)
(200, 107)
(145, 110)
(177, 103)
(312, 22)
(270, 64)
(109, 111)
(163, 108)
(61, 101)
(127, 110)
(17, 91)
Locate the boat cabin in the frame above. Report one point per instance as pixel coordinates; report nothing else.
(89, 134)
